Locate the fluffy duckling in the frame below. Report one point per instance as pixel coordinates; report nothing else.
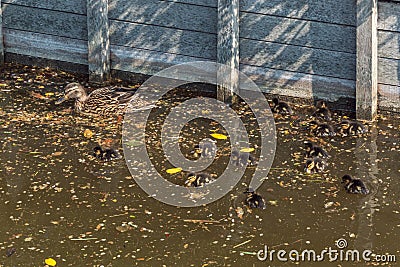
(254, 200)
(348, 128)
(314, 165)
(206, 149)
(315, 151)
(194, 179)
(106, 155)
(242, 159)
(354, 186)
(322, 111)
(281, 107)
(321, 129)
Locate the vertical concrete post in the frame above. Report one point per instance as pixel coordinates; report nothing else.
(367, 59)
(98, 41)
(228, 49)
(1, 38)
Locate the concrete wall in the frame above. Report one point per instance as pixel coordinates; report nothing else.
(295, 48)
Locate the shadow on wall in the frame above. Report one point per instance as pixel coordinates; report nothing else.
(300, 49)
(389, 55)
(147, 36)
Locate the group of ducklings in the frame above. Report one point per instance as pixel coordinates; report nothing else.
(238, 158)
(113, 100)
(316, 155)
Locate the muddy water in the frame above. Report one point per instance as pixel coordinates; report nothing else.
(57, 201)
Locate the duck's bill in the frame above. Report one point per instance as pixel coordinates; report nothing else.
(60, 100)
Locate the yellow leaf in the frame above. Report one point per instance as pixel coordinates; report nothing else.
(40, 86)
(50, 262)
(49, 94)
(88, 133)
(247, 149)
(3, 85)
(173, 170)
(219, 136)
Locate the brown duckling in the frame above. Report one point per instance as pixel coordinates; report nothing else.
(281, 107)
(315, 151)
(314, 165)
(106, 155)
(354, 186)
(322, 111)
(194, 179)
(321, 129)
(254, 200)
(206, 149)
(347, 128)
(242, 159)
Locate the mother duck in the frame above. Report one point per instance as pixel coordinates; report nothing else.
(103, 101)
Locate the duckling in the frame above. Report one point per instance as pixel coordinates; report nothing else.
(242, 159)
(281, 107)
(206, 149)
(254, 200)
(322, 111)
(321, 129)
(354, 186)
(104, 101)
(314, 165)
(198, 179)
(315, 151)
(106, 155)
(348, 127)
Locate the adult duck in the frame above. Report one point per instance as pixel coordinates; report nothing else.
(103, 101)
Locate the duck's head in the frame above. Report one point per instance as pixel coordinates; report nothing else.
(235, 155)
(309, 145)
(310, 164)
(313, 125)
(275, 101)
(346, 179)
(321, 104)
(190, 178)
(345, 124)
(198, 150)
(249, 191)
(97, 151)
(73, 91)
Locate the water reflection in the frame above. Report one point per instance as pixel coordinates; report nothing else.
(367, 169)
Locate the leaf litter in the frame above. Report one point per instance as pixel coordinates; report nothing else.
(47, 147)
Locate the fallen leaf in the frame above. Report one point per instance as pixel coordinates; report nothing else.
(219, 136)
(88, 133)
(174, 170)
(37, 95)
(50, 262)
(247, 149)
